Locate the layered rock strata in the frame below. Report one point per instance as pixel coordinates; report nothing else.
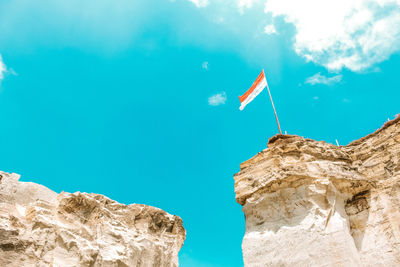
(39, 227)
(310, 203)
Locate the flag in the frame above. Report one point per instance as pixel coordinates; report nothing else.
(254, 90)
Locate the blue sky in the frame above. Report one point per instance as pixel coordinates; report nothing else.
(138, 100)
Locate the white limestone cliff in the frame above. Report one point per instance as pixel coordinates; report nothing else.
(39, 227)
(310, 203)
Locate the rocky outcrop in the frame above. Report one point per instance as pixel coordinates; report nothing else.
(310, 203)
(39, 227)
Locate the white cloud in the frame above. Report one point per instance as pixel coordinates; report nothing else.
(12, 72)
(336, 34)
(321, 79)
(217, 99)
(200, 3)
(205, 65)
(242, 4)
(270, 29)
(340, 34)
(3, 68)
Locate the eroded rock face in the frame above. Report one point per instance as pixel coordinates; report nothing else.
(310, 203)
(39, 227)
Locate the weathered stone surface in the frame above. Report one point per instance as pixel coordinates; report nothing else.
(310, 203)
(39, 227)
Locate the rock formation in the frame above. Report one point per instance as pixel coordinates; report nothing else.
(310, 203)
(39, 227)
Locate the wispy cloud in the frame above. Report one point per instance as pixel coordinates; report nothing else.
(200, 3)
(321, 79)
(217, 99)
(3, 68)
(205, 65)
(242, 4)
(93, 24)
(270, 29)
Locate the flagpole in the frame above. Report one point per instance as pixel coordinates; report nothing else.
(273, 106)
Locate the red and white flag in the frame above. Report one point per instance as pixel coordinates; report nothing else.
(254, 90)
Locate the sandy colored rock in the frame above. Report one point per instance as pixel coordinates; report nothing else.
(310, 203)
(39, 227)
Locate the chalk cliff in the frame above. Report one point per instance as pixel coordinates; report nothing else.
(39, 227)
(310, 203)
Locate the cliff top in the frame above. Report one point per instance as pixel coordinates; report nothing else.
(82, 229)
(291, 159)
